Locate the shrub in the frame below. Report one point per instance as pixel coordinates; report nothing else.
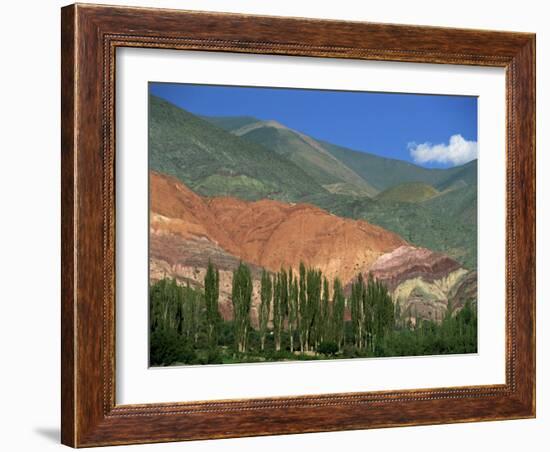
(328, 348)
(168, 347)
(214, 356)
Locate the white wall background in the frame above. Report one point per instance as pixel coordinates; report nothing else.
(29, 226)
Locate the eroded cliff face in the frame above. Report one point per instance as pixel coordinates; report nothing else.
(187, 231)
(425, 284)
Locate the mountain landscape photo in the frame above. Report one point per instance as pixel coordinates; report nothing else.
(299, 224)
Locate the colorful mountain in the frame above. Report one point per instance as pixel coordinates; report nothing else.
(251, 159)
(188, 230)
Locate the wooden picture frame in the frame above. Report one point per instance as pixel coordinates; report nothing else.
(90, 36)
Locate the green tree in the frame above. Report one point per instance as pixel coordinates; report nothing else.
(338, 311)
(191, 309)
(175, 320)
(379, 318)
(302, 309)
(241, 297)
(280, 307)
(313, 292)
(165, 304)
(292, 307)
(323, 332)
(398, 320)
(276, 307)
(211, 296)
(266, 296)
(357, 308)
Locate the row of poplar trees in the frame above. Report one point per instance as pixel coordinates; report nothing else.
(306, 307)
(175, 308)
(241, 296)
(300, 307)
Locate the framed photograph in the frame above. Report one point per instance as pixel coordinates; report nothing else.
(282, 225)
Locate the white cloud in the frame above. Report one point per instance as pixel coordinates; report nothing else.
(457, 152)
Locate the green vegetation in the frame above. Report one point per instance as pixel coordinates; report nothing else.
(380, 173)
(230, 123)
(383, 173)
(446, 223)
(408, 192)
(175, 323)
(309, 155)
(266, 295)
(372, 313)
(241, 296)
(238, 185)
(187, 328)
(456, 334)
(213, 161)
(211, 296)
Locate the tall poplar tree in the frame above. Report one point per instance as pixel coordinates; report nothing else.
(313, 292)
(324, 314)
(241, 297)
(280, 308)
(190, 315)
(302, 309)
(276, 308)
(166, 299)
(380, 318)
(357, 307)
(211, 296)
(292, 307)
(266, 296)
(338, 311)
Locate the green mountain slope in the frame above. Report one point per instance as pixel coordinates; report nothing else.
(408, 192)
(383, 173)
(304, 151)
(230, 123)
(309, 155)
(378, 173)
(215, 162)
(446, 223)
(461, 176)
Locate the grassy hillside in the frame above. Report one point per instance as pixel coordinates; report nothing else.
(214, 162)
(304, 151)
(446, 223)
(230, 123)
(383, 173)
(461, 176)
(310, 156)
(379, 173)
(408, 192)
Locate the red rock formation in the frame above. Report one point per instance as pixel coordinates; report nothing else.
(187, 230)
(424, 283)
(408, 262)
(266, 233)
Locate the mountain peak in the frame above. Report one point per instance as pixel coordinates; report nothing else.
(274, 123)
(258, 125)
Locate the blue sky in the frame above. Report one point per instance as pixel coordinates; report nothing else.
(432, 131)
